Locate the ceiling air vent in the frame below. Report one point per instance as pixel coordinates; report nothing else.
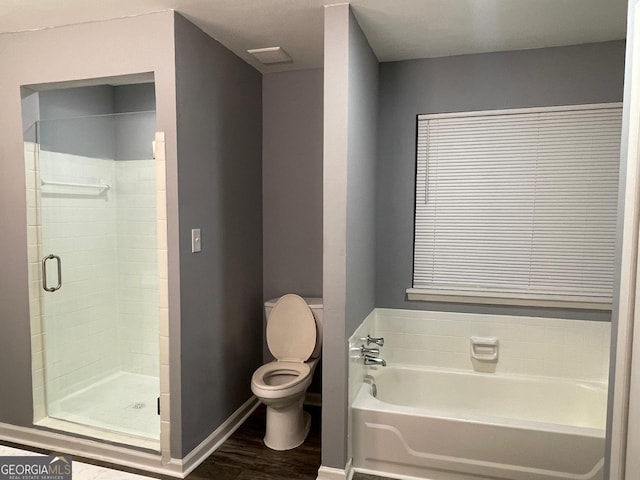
(270, 55)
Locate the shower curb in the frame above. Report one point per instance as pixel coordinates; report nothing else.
(129, 457)
(87, 448)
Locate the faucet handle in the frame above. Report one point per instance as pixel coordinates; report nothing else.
(377, 340)
(369, 350)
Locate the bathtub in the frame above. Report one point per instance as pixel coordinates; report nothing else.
(459, 425)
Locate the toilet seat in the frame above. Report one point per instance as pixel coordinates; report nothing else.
(298, 372)
(291, 329)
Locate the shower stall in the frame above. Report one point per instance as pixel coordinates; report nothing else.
(94, 197)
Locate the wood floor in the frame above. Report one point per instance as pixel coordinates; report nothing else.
(245, 457)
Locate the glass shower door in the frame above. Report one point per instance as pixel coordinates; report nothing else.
(96, 213)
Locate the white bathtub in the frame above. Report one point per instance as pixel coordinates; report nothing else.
(456, 425)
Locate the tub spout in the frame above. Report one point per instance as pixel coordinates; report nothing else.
(368, 360)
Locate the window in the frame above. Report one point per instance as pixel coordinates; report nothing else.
(517, 206)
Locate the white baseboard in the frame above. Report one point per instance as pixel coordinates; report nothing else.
(210, 444)
(128, 457)
(83, 447)
(331, 473)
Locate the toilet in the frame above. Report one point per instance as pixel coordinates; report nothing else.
(294, 337)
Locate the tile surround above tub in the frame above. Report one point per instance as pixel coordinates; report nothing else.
(356, 366)
(527, 345)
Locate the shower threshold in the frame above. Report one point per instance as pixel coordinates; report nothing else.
(119, 408)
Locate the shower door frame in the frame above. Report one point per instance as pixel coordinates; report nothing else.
(36, 313)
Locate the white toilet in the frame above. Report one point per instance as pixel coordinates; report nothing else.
(294, 337)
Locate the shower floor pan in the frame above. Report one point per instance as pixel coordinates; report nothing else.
(121, 408)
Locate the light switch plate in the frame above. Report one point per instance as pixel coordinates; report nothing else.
(196, 241)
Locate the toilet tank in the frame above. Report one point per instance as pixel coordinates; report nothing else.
(315, 304)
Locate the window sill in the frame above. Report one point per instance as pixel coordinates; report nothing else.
(504, 298)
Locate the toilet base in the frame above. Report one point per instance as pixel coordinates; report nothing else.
(287, 427)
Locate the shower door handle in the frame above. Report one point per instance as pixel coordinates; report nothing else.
(44, 273)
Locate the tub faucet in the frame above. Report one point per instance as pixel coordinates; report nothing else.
(369, 351)
(369, 339)
(369, 360)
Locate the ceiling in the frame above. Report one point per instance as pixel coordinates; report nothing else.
(396, 29)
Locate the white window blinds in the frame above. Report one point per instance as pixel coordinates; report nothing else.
(518, 203)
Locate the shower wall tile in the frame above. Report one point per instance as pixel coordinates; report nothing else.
(162, 261)
(77, 224)
(356, 365)
(34, 254)
(357, 370)
(165, 439)
(165, 407)
(527, 345)
(138, 299)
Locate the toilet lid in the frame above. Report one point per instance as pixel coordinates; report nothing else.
(291, 329)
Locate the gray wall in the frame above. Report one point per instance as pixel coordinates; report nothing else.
(292, 183)
(79, 120)
(134, 133)
(30, 114)
(140, 97)
(292, 188)
(590, 73)
(76, 102)
(91, 52)
(60, 129)
(361, 178)
(220, 182)
(350, 80)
